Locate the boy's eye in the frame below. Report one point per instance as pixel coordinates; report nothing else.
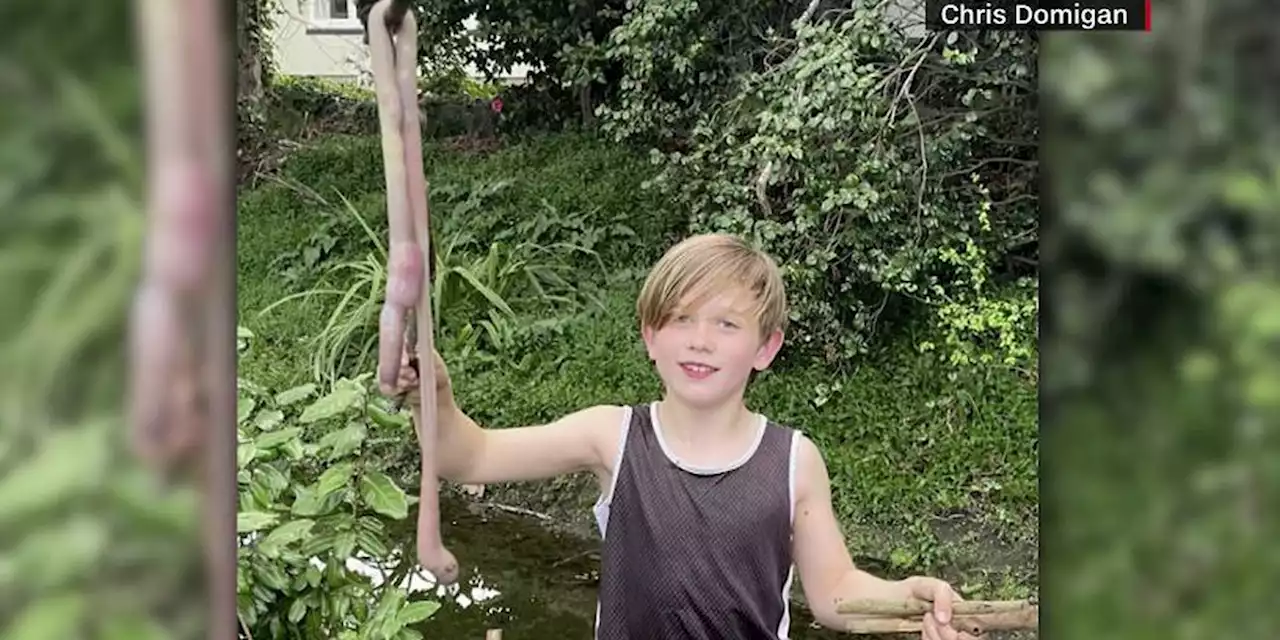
(729, 324)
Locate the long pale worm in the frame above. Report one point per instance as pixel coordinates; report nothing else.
(408, 278)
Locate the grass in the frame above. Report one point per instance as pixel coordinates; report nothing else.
(928, 473)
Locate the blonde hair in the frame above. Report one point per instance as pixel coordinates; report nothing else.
(703, 265)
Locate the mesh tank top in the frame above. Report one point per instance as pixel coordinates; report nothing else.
(696, 554)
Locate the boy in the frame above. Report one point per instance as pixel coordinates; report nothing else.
(705, 506)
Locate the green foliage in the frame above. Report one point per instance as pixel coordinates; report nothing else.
(311, 496)
(542, 264)
(536, 228)
(885, 174)
(680, 60)
(455, 82)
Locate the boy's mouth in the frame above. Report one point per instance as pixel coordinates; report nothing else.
(697, 370)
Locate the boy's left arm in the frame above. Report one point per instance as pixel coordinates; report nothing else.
(826, 568)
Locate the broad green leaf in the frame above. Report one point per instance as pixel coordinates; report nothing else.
(344, 544)
(244, 408)
(296, 394)
(341, 604)
(386, 419)
(409, 634)
(373, 545)
(307, 503)
(53, 618)
(318, 545)
(334, 478)
(293, 449)
(416, 612)
(344, 441)
(245, 453)
(273, 480)
(272, 575)
(284, 535)
(246, 499)
(381, 494)
(313, 575)
(261, 492)
(268, 420)
(383, 622)
(343, 398)
(247, 521)
(297, 610)
(273, 439)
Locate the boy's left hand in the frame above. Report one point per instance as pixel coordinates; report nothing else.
(937, 624)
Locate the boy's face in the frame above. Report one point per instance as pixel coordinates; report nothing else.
(705, 354)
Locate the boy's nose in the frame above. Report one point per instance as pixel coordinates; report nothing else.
(700, 338)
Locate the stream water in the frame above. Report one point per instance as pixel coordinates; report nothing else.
(519, 576)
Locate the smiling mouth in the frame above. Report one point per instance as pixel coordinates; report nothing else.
(697, 369)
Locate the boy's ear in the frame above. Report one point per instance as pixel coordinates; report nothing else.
(646, 333)
(769, 350)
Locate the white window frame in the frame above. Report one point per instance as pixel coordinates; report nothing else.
(322, 21)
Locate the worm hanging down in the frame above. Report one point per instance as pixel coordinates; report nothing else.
(408, 277)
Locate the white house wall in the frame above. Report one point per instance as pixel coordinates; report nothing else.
(304, 49)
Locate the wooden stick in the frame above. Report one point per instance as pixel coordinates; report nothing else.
(914, 608)
(975, 625)
(493, 634)
(972, 617)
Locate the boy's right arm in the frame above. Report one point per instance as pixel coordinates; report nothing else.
(466, 453)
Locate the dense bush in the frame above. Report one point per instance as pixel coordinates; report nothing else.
(311, 496)
(887, 173)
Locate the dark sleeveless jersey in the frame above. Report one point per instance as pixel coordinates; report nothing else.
(696, 554)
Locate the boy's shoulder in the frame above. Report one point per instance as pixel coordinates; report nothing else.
(787, 428)
(806, 451)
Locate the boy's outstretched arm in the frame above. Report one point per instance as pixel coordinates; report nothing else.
(826, 567)
(467, 453)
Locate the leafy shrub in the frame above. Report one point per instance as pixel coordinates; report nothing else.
(311, 496)
(889, 175)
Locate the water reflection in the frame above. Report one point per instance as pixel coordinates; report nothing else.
(419, 581)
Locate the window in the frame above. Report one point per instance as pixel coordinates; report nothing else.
(334, 16)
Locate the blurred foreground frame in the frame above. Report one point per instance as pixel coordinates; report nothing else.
(93, 545)
(1160, 325)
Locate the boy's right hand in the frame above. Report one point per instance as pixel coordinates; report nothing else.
(407, 383)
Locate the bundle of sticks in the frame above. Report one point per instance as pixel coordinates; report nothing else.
(867, 617)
